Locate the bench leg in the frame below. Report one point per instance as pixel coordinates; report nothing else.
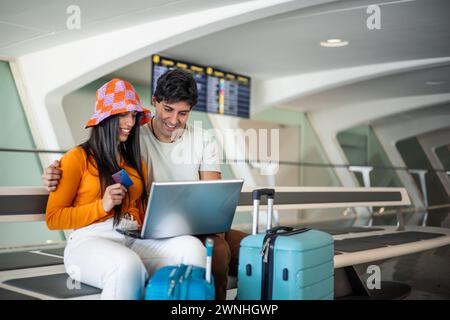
(347, 282)
(348, 286)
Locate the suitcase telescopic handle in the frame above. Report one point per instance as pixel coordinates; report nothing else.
(256, 195)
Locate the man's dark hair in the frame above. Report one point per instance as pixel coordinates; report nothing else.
(175, 86)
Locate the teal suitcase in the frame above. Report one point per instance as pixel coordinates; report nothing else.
(181, 282)
(283, 263)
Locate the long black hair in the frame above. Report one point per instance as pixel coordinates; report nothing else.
(102, 148)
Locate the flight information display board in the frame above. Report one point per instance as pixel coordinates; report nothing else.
(218, 91)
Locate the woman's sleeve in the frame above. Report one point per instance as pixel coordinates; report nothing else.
(145, 173)
(60, 213)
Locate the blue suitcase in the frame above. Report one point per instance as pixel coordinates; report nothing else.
(285, 264)
(181, 282)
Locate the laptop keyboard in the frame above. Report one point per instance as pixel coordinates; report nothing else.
(130, 233)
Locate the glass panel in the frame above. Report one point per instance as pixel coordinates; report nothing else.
(309, 147)
(19, 168)
(415, 158)
(362, 148)
(298, 146)
(201, 119)
(443, 154)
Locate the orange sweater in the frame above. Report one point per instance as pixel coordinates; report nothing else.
(77, 201)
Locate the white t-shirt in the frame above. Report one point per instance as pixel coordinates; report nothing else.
(196, 150)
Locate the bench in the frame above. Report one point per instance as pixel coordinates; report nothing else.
(40, 273)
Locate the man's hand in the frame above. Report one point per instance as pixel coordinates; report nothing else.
(210, 175)
(113, 196)
(51, 176)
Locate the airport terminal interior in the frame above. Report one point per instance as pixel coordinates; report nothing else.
(323, 96)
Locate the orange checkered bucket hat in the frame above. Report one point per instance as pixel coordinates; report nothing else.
(114, 97)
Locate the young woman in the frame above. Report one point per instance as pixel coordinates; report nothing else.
(89, 201)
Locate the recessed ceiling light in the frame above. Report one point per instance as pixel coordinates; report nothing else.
(434, 82)
(334, 43)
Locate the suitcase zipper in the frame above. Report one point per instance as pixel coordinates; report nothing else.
(184, 283)
(171, 283)
(267, 252)
(267, 266)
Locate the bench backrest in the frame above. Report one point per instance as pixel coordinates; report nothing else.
(29, 203)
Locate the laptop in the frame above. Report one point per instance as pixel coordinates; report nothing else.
(189, 208)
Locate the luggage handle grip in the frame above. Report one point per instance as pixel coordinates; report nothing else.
(256, 195)
(276, 229)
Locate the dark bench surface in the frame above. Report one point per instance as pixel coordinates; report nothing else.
(402, 237)
(380, 241)
(6, 294)
(354, 245)
(56, 252)
(54, 285)
(23, 260)
(336, 231)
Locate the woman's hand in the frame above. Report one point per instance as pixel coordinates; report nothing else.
(51, 176)
(113, 196)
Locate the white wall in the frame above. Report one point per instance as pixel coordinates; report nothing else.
(44, 77)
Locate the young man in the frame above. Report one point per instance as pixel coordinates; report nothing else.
(175, 150)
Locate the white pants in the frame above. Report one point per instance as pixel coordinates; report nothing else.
(99, 256)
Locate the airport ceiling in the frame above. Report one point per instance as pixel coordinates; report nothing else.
(289, 43)
(423, 82)
(274, 47)
(28, 25)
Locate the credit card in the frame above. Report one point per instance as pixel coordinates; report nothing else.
(123, 178)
